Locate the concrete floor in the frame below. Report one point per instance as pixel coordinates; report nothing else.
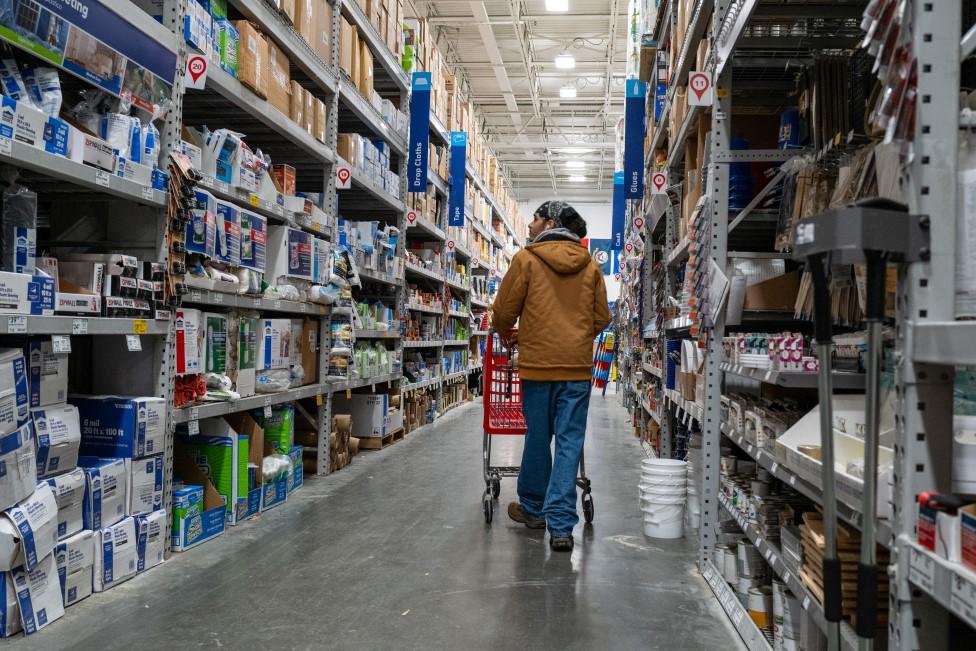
(393, 553)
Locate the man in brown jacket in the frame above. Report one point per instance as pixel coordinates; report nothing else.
(556, 291)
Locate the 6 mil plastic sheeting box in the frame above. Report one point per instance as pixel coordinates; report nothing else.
(38, 594)
(17, 459)
(106, 493)
(14, 398)
(76, 562)
(48, 377)
(119, 427)
(116, 554)
(58, 435)
(29, 530)
(69, 493)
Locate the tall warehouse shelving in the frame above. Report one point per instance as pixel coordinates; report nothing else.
(761, 57)
(89, 210)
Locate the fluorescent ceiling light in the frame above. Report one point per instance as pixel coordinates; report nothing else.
(577, 164)
(567, 91)
(577, 178)
(565, 61)
(557, 5)
(576, 150)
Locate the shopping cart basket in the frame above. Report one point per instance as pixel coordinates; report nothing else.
(502, 391)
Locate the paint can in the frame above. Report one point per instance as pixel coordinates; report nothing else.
(761, 606)
(727, 464)
(743, 586)
(759, 488)
(718, 557)
(730, 567)
(786, 618)
(750, 561)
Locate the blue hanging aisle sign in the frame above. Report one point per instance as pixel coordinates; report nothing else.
(455, 210)
(634, 130)
(418, 140)
(619, 212)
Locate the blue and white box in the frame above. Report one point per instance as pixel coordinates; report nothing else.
(297, 467)
(106, 492)
(29, 530)
(121, 427)
(69, 493)
(38, 594)
(75, 558)
(201, 233)
(9, 609)
(19, 476)
(227, 248)
(116, 554)
(151, 538)
(58, 436)
(193, 523)
(145, 484)
(274, 492)
(48, 376)
(254, 240)
(14, 392)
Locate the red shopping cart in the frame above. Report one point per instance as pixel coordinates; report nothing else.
(502, 391)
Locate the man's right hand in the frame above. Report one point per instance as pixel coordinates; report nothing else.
(511, 339)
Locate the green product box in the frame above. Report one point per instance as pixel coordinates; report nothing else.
(279, 428)
(216, 358)
(222, 454)
(227, 43)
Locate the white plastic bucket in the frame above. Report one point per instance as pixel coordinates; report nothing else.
(663, 489)
(650, 482)
(660, 501)
(663, 468)
(666, 524)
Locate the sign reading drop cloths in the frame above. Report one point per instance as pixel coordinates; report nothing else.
(459, 145)
(634, 130)
(419, 132)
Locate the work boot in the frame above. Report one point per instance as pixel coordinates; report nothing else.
(517, 513)
(559, 543)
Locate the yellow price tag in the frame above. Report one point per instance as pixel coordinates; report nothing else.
(721, 92)
(318, 400)
(255, 201)
(139, 327)
(348, 393)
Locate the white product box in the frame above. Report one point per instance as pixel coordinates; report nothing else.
(58, 436)
(116, 554)
(193, 153)
(370, 414)
(121, 427)
(289, 254)
(17, 457)
(29, 530)
(295, 353)
(75, 553)
(106, 491)
(274, 344)
(26, 294)
(151, 533)
(145, 484)
(39, 594)
(35, 128)
(69, 493)
(14, 400)
(89, 150)
(321, 261)
(77, 585)
(190, 335)
(137, 172)
(9, 609)
(227, 247)
(48, 374)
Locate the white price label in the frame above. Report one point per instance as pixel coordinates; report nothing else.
(769, 555)
(759, 454)
(102, 178)
(6, 146)
(147, 193)
(79, 326)
(921, 571)
(194, 413)
(786, 577)
(193, 427)
(196, 297)
(792, 480)
(218, 298)
(806, 602)
(267, 411)
(133, 343)
(277, 305)
(257, 302)
(61, 344)
(749, 449)
(17, 325)
(774, 467)
(962, 599)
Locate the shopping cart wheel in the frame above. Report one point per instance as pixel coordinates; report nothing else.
(489, 508)
(496, 486)
(588, 508)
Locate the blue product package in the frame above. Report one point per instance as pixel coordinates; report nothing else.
(227, 247)
(201, 229)
(120, 427)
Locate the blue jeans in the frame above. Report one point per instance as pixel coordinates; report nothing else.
(547, 486)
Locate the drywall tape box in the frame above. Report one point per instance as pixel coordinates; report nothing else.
(39, 594)
(116, 554)
(17, 459)
(120, 427)
(75, 558)
(58, 436)
(106, 492)
(48, 374)
(69, 493)
(151, 538)
(29, 530)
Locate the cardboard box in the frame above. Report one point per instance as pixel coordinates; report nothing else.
(287, 8)
(274, 493)
(296, 105)
(48, 373)
(776, 294)
(319, 123)
(38, 594)
(69, 494)
(244, 340)
(57, 432)
(10, 619)
(308, 112)
(151, 540)
(278, 429)
(284, 177)
(279, 84)
(121, 427)
(252, 58)
(322, 44)
(223, 453)
(17, 456)
(274, 344)
(190, 335)
(307, 348)
(296, 453)
(116, 554)
(29, 530)
(254, 240)
(227, 248)
(347, 45)
(75, 558)
(26, 294)
(370, 413)
(305, 20)
(289, 254)
(199, 512)
(228, 44)
(245, 425)
(106, 492)
(364, 80)
(145, 484)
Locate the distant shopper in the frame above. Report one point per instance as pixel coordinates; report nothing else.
(557, 292)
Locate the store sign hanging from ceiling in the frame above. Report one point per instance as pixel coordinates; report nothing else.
(634, 130)
(619, 212)
(455, 208)
(91, 41)
(419, 132)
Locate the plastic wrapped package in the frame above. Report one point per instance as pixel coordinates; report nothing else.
(323, 294)
(276, 467)
(283, 293)
(249, 281)
(44, 86)
(151, 145)
(13, 83)
(297, 375)
(273, 380)
(18, 233)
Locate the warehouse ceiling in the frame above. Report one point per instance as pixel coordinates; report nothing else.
(504, 54)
